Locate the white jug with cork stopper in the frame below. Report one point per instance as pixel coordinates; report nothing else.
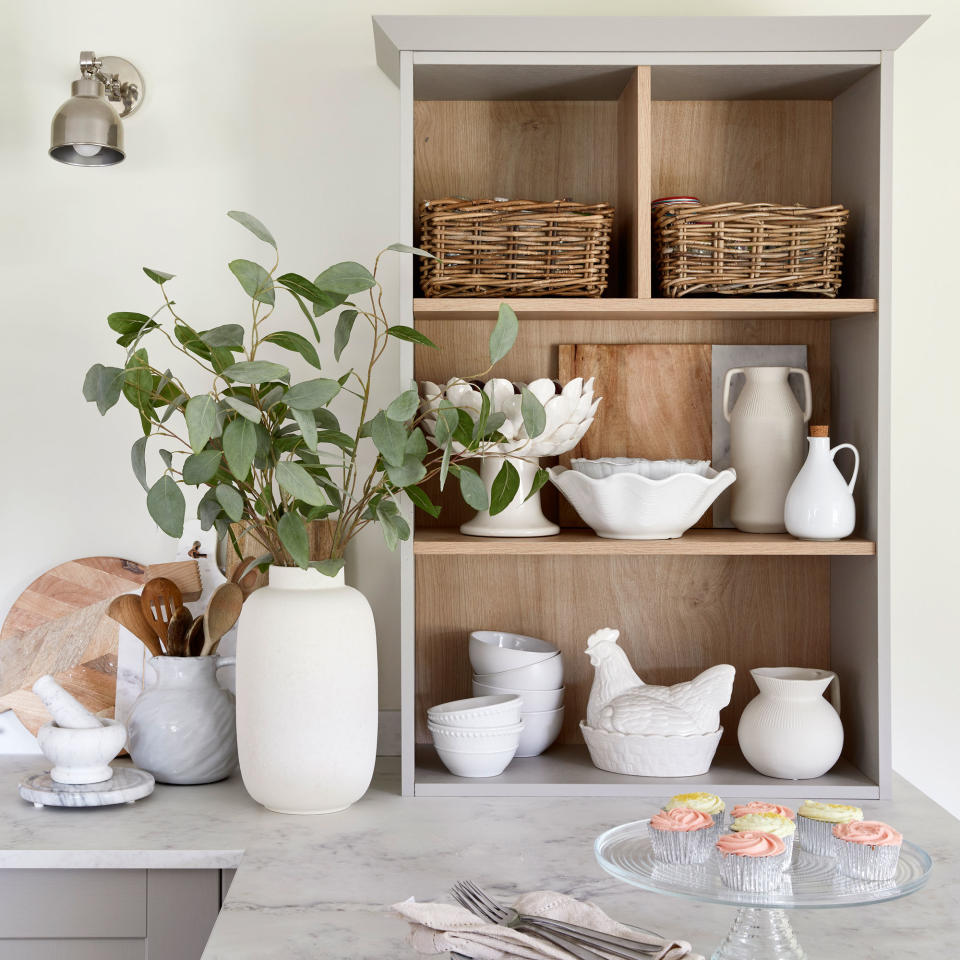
(820, 505)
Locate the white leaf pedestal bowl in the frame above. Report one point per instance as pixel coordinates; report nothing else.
(651, 756)
(568, 415)
(630, 506)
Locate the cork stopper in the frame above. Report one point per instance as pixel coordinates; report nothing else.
(823, 431)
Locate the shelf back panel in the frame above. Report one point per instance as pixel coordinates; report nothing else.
(677, 617)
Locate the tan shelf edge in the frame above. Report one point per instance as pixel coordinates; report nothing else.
(702, 543)
(453, 308)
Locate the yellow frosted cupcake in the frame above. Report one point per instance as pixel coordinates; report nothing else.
(774, 823)
(815, 823)
(704, 802)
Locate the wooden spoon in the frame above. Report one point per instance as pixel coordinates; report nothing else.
(222, 613)
(126, 610)
(195, 638)
(177, 629)
(160, 600)
(247, 582)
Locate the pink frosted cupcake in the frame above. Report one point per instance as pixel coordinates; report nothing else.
(867, 849)
(751, 861)
(681, 835)
(761, 806)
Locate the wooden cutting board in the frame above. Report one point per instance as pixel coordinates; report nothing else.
(657, 400)
(59, 625)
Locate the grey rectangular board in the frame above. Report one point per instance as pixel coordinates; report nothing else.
(73, 949)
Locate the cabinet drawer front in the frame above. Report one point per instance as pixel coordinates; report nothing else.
(47, 904)
(73, 949)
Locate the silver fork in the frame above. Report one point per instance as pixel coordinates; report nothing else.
(474, 899)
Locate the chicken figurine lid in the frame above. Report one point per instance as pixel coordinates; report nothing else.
(620, 702)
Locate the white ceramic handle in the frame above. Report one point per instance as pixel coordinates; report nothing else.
(856, 461)
(226, 662)
(835, 693)
(727, 380)
(808, 393)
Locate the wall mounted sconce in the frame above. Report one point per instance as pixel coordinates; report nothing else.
(87, 131)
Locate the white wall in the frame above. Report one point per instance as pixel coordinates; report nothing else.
(278, 108)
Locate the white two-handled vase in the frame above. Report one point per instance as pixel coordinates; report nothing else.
(820, 503)
(306, 692)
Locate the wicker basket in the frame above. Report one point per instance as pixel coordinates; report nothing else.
(748, 248)
(514, 248)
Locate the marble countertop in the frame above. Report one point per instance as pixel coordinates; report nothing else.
(317, 887)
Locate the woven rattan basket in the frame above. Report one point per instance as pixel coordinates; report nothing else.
(514, 248)
(748, 248)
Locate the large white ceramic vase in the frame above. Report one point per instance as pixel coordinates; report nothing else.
(306, 693)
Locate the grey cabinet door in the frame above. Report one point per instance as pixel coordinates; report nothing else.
(72, 949)
(182, 907)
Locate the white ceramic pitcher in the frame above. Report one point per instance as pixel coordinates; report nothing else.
(820, 502)
(766, 444)
(789, 730)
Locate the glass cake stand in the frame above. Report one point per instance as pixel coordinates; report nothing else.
(761, 930)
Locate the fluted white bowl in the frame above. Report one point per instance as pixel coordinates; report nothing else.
(492, 651)
(476, 740)
(540, 729)
(531, 699)
(544, 675)
(628, 506)
(494, 710)
(653, 469)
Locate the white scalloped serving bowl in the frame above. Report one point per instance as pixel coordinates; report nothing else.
(652, 469)
(628, 506)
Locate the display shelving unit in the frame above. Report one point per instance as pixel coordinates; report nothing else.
(773, 109)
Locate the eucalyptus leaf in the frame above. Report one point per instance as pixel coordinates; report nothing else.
(308, 426)
(138, 460)
(400, 332)
(302, 287)
(447, 422)
(346, 278)
(416, 251)
(246, 410)
(253, 225)
(227, 335)
(330, 300)
(167, 457)
(102, 385)
(416, 445)
(295, 480)
(254, 279)
(504, 488)
(411, 471)
(299, 344)
(336, 438)
(201, 416)
(306, 313)
(444, 466)
(208, 509)
(390, 438)
(123, 322)
(420, 499)
(534, 416)
(402, 408)
(240, 446)
(175, 404)
(256, 371)
(394, 527)
(311, 394)
(329, 568)
(231, 501)
(472, 489)
(191, 340)
(138, 382)
(166, 505)
(539, 479)
(341, 336)
(293, 536)
(504, 333)
(201, 467)
(157, 276)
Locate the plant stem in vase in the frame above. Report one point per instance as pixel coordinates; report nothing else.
(523, 517)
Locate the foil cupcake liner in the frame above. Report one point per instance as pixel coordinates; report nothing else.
(862, 861)
(682, 846)
(788, 855)
(816, 836)
(753, 874)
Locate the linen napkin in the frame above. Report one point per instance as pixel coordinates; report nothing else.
(437, 928)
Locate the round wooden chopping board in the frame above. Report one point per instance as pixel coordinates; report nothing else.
(58, 625)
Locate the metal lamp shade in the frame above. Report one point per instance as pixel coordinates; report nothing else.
(86, 131)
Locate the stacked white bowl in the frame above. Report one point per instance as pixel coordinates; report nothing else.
(509, 663)
(476, 737)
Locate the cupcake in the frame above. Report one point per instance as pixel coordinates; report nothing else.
(774, 823)
(815, 822)
(751, 860)
(761, 806)
(704, 802)
(681, 835)
(867, 849)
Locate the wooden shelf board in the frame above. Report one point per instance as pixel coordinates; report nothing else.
(705, 543)
(566, 771)
(684, 308)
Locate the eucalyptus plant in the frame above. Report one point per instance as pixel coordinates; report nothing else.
(268, 453)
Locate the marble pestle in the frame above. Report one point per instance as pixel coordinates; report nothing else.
(66, 711)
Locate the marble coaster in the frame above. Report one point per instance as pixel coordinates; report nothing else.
(126, 785)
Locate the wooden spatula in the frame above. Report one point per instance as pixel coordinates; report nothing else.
(160, 600)
(245, 576)
(126, 610)
(222, 613)
(195, 638)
